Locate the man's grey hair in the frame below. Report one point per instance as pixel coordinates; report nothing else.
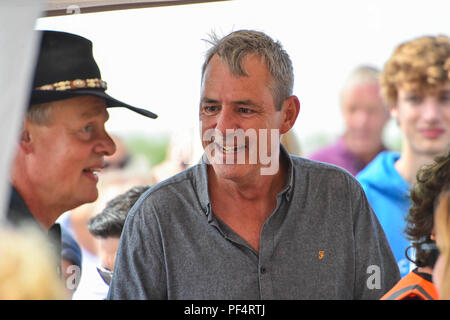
(233, 48)
(39, 113)
(364, 74)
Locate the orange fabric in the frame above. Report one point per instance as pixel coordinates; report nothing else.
(412, 286)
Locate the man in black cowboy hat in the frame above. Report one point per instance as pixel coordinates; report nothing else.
(63, 140)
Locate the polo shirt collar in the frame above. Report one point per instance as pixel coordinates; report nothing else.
(18, 211)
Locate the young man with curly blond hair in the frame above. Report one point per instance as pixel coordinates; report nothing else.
(416, 84)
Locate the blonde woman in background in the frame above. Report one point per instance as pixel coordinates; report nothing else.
(27, 267)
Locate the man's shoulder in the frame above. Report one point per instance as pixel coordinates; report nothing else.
(316, 166)
(319, 184)
(175, 202)
(181, 190)
(182, 181)
(326, 175)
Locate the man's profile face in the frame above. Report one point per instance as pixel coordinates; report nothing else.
(230, 103)
(365, 116)
(107, 251)
(424, 119)
(66, 154)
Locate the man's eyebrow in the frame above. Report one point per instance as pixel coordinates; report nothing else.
(247, 102)
(209, 100)
(93, 112)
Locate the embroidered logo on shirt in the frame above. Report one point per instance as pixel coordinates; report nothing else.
(321, 254)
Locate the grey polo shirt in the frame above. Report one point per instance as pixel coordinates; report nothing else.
(322, 241)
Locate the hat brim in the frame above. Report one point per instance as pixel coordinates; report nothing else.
(43, 96)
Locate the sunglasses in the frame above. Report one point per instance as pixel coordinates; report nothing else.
(105, 274)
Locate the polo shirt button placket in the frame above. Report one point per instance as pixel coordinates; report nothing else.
(262, 270)
(264, 284)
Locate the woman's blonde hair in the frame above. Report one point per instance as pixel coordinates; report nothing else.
(442, 225)
(27, 266)
(420, 63)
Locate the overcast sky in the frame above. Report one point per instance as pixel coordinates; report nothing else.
(152, 57)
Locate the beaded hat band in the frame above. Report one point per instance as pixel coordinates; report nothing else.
(74, 84)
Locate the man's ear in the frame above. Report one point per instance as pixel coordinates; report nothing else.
(25, 141)
(290, 110)
(393, 109)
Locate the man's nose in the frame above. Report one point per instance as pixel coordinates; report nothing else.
(431, 110)
(226, 119)
(106, 145)
(361, 119)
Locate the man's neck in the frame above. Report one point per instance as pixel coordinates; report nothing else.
(45, 215)
(246, 204)
(427, 270)
(410, 163)
(249, 189)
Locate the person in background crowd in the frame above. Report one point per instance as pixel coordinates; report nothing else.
(415, 83)
(431, 181)
(365, 115)
(122, 171)
(241, 225)
(107, 227)
(115, 181)
(27, 266)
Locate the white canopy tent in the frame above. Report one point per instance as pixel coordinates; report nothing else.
(62, 7)
(17, 58)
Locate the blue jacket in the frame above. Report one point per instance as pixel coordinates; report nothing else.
(388, 194)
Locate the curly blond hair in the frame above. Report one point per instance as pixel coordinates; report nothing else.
(420, 63)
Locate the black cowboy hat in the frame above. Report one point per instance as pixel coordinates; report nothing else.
(66, 69)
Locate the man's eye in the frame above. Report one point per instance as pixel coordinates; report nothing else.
(445, 98)
(210, 109)
(87, 128)
(413, 99)
(245, 110)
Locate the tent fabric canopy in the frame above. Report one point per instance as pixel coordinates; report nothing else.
(63, 7)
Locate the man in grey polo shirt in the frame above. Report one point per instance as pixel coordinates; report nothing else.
(250, 221)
